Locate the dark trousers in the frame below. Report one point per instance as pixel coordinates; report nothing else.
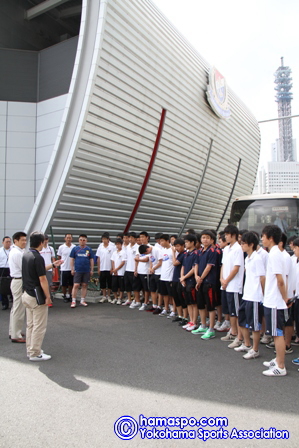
(4, 272)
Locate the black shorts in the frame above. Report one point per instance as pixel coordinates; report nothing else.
(177, 294)
(233, 303)
(206, 297)
(218, 293)
(105, 280)
(129, 281)
(81, 277)
(154, 283)
(189, 293)
(289, 316)
(118, 283)
(67, 279)
(296, 315)
(254, 312)
(165, 288)
(275, 320)
(141, 282)
(224, 302)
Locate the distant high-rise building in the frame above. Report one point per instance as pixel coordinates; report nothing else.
(286, 151)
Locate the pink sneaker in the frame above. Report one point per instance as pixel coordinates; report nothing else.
(83, 303)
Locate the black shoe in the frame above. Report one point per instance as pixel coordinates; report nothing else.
(65, 299)
(177, 319)
(183, 322)
(157, 310)
(5, 307)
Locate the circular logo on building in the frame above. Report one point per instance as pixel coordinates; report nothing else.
(217, 94)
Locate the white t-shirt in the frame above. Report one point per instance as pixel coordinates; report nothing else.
(295, 264)
(4, 254)
(167, 265)
(289, 274)
(272, 296)
(131, 251)
(155, 256)
(233, 256)
(254, 270)
(64, 252)
(143, 267)
(15, 261)
(118, 258)
(104, 254)
(48, 253)
(264, 256)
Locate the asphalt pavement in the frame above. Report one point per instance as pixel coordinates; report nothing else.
(109, 361)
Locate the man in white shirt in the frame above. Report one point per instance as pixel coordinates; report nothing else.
(17, 314)
(4, 267)
(275, 299)
(67, 279)
(48, 255)
(132, 251)
(104, 253)
(231, 278)
(165, 289)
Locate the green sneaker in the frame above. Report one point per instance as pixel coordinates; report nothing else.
(199, 330)
(208, 334)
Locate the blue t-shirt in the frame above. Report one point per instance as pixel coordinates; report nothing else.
(82, 258)
(177, 269)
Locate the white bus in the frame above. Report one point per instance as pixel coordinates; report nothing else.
(256, 211)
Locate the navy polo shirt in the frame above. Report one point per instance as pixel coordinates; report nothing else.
(189, 260)
(205, 257)
(177, 269)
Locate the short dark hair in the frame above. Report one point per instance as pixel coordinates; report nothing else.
(231, 230)
(241, 232)
(83, 235)
(4, 238)
(126, 234)
(36, 239)
(165, 236)
(222, 238)
(221, 232)
(179, 241)
(190, 237)
(296, 242)
(145, 234)
(120, 235)
(118, 240)
(250, 238)
(283, 239)
(173, 236)
(191, 232)
(158, 235)
(106, 235)
(133, 235)
(272, 231)
(18, 235)
(46, 236)
(292, 239)
(209, 233)
(68, 233)
(142, 249)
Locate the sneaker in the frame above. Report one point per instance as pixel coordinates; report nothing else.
(187, 325)
(118, 302)
(229, 337)
(200, 330)
(266, 339)
(183, 322)
(208, 334)
(171, 315)
(224, 327)
(191, 327)
(270, 345)
(295, 342)
(288, 350)
(42, 357)
(135, 305)
(127, 303)
(243, 348)
(236, 343)
(151, 309)
(295, 361)
(143, 307)
(271, 363)
(83, 303)
(275, 371)
(65, 299)
(158, 310)
(251, 354)
(217, 325)
(163, 313)
(73, 304)
(103, 300)
(109, 300)
(113, 301)
(177, 319)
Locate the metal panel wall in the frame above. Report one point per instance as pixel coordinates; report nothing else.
(141, 65)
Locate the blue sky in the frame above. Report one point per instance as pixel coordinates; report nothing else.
(245, 41)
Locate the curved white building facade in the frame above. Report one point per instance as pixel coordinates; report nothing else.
(131, 64)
